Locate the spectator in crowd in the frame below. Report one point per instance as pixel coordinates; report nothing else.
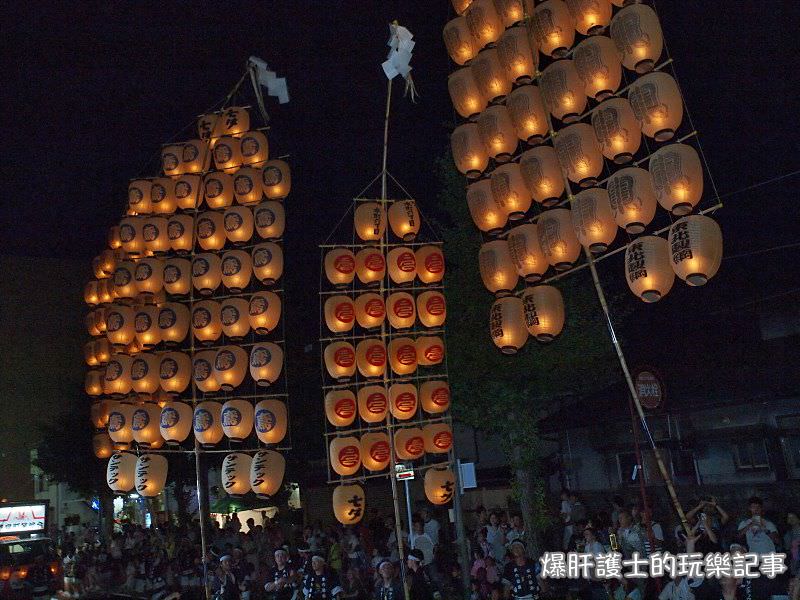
(760, 534)
(421, 541)
(431, 526)
(388, 586)
(630, 535)
(320, 583)
(791, 542)
(517, 531)
(353, 587)
(418, 581)
(495, 537)
(521, 575)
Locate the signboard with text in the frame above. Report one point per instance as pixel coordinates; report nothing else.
(18, 519)
(649, 388)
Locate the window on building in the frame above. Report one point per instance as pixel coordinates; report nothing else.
(751, 455)
(626, 463)
(683, 463)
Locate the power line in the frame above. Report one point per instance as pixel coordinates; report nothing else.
(762, 251)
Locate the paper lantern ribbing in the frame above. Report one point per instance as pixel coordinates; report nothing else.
(370, 221)
(340, 407)
(438, 438)
(510, 192)
(266, 473)
(119, 424)
(593, 220)
(196, 157)
(180, 231)
(266, 363)
(155, 233)
(403, 356)
(440, 484)
(218, 188)
(526, 107)
(598, 64)
(227, 154)
(247, 185)
(402, 265)
(237, 268)
(121, 472)
(340, 314)
(207, 424)
(461, 46)
(267, 262)
(207, 321)
(345, 454)
(430, 350)
(235, 473)
(238, 223)
(657, 104)
(373, 403)
(176, 422)
(637, 33)
(237, 419)
(117, 379)
(340, 360)
(526, 253)
(543, 309)
(171, 159)
(483, 21)
(403, 400)
(542, 174)
(507, 325)
(203, 371)
(120, 325)
(370, 310)
(695, 244)
(276, 179)
(496, 267)
(371, 358)
(144, 373)
(404, 219)
(264, 310)
(210, 230)
(493, 83)
(409, 443)
(401, 310)
(431, 309)
(677, 178)
(563, 90)
(485, 213)
(235, 318)
(145, 424)
(271, 421)
(230, 367)
(340, 266)
(430, 264)
(553, 28)
(151, 474)
(102, 446)
(175, 371)
(162, 196)
(591, 16)
(633, 199)
(617, 130)
(516, 55)
(206, 273)
(469, 153)
(255, 148)
(270, 220)
(348, 504)
(148, 332)
(434, 396)
(579, 154)
(124, 284)
(139, 197)
(465, 94)
(187, 191)
(648, 268)
(375, 451)
(370, 266)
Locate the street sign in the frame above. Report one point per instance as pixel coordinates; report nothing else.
(467, 477)
(649, 388)
(403, 472)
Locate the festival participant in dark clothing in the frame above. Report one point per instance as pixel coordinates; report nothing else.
(388, 587)
(229, 589)
(520, 575)
(418, 581)
(282, 580)
(320, 583)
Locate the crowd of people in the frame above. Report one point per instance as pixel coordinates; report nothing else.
(274, 561)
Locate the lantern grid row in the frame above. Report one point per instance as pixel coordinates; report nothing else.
(402, 265)
(370, 357)
(401, 309)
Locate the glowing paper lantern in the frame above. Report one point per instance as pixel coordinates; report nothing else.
(102, 351)
(207, 321)
(507, 325)
(695, 244)
(593, 220)
(139, 198)
(235, 473)
(542, 175)
(340, 314)
(434, 396)
(227, 154)
(180, 231)
(340, 266)
(403, 356)
(266, 473)
(247, 185)
(144, 423)
(526, 253)
(496, 267)
(375, 451)
(486, 214)
(255, 148)
(598, 64)
(230, 366)
(120, 325)
(235, 318)
(271, 421)
(121, 472)
(370, 266)
(677, 178)
(516, 55)
(93, 383)
(207, 424)
(557, 238)
(196, 156)
(187, 191)
(371, 358)
(345, 455)
(497, 132)
(238, 223)
(267, 262)
(633, 199)
(430, 264)
(340, 407)
(369, 221)
(404, 219)
(276, 179)
(402, 265)
(211, 230)
(526, 108)
(108, 260)
(431, 309)
(155, 235)
(563, 90)
(114, 241)
(162, 195)
(148, 276)
(203, 371)
(511, 11)
(553, 28)
(173, 322)
(270, 219)
(469, 154)
(617, 130)
(543, 308)
(218, 187)
(99, 413)
(175, 370)
(237, 268)
(171, 159)
(461, 46)
(401, 310)
(510, 192)
(177, 276)
(637, 33)
(102, 446)
(484, 22)
(648, 269)
(266, 363)
(105, 290)
(440, 484)
(579, 154)
(438, 438)
(176, 422)
(373, 403)
(124, 284)
(348, 504)
(130, 232)
(119, 424)
(340, 360)
(465, 94)
(264, 311)
(237, 419)
(409, 443)
(657, 103)
(233, 120)
(430, 350)
(491, 77)
(403, 400)
(145, 373)
(591, 16)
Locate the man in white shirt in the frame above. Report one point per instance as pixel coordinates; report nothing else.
(431, 526)
(421, 541)
(761, 534)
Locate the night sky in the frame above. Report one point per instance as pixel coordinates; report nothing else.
(91, 91)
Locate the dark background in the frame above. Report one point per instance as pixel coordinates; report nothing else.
(91, 90)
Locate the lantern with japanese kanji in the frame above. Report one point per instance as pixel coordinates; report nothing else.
(267, 262)
(434, 396)
(496, 267)
(120, 325)
(345, 455)
(633, 199)
(349, 504)
(431, 309)
(155, 234)
(124, 283)
(507, 325)
(593, 220)
(375, 451)
(173, 322)
(483, 21)
(171, 159)
(493, 83)
(255, 148)
(617, 130)
(430, 350)
(553, 28)
(516, 55)
(237, 419)
(485, 213)
(218, 187)
(542, 174)
(207, 321)
(340, 360)
(401, 310)
(187, 191)
(373, 403)
(677, 178)
(469, 153)
(370, 310)
(148, 276)
(598, 64)
(403, 400)
(402, 265)
(195, 157)
(145, 422)
(648, 268)
(144, 373)
(430, 264)
(238, 223)
(409, 443)
(526, 253)
(227, 153)
(235, 473)
(340, 407)
(180, 231)
(510, 192)
(370, 221)
(591, 16)
(121, 472)
(438, 438)
(175, 370)
(370, 266)
(637, 33)
(657, 104)
(403, 356)
(138, 200)
(271, 421)
(465, 94)
(440, 484)
(563, 90)
(340, 314)
(340, 266)
(695, 244)
(543, 309)
(270, 219)
(579, 154)
(461, 46)
(237, 268)
(119, 424)
(203, 371)
(497, 133)
(371, 358)
(247, 185)
(266, 473)
(235, 318)
(176, 422)
(526, 107)
(230, 367)
(207, 423)
(162, 195)
(404, 219)
(211, 230)
(266, 363)
(276, 179)
(117, 379)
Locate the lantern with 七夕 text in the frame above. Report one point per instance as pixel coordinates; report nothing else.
(403, 356)
(139, 198)
(255, 148)
(461, 46)
(218, 189)
(203, 371)
(340, 407)
(345, 454)
(593, 220)
(516, 55)
(637, 33)
(369, 221)
(176, 422)
(526, 253)
(211, 230)
(677, 178)
(373, 403)
(124, 283)
(648, 269)
(144, 373)
(119, 424)
(633, 199)
(371, 358)
(121, 472)
(349, 504)
(402, 265)
(235, 473)
(156, 235)
(496, 267)
(434, 396)
(430, 350)
(542, 174)
(695, 244)
(171, 162)
(187, 191)
(598, 64)
(493, 83)
(175, 371)
(120, 325)
(510, 192)
(657, 104)
(468, 151)
(438, 438)
(431, 308)
(401, 310)
(340, 360)
(144, 423)
(526, 108)
(237, 419)
(403, 400)
(591, 16)
(270, 219)
(173, 322)
(276, 179)
(483, 21)
(465, 94)
(617, 130)
(507, 325)
(553, 28)
(235, 318)
(207, 321)
(267, 262)
(340, 266)
(266, 473)
(227, 154)
(557, 238)
(430, 264)
(579, 154)
(230, 367)
(247, 185)
(340, 314)
(266, 363)
(497, 133)
(238, 223)
(271, 421)
(102, 446)
(207, 424)
(370, 266)
(148, 276)
(440, 485)
(264, 311)
(485, 213)
(563, 90)
(162, 195)
(375, 451)
(237, 268)
(404, 219)
(180, 230)
(409, 443)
